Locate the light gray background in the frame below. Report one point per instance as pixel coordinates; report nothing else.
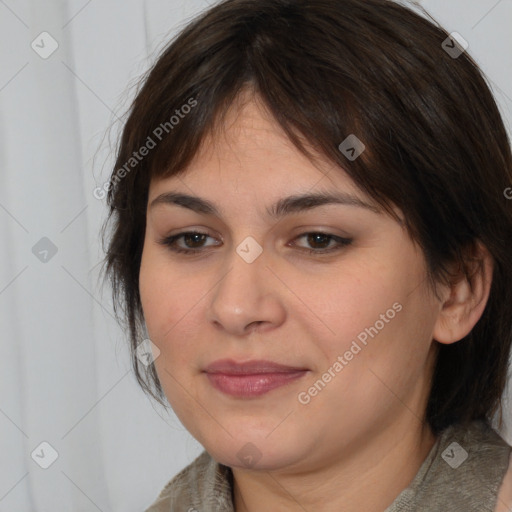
(65, 375)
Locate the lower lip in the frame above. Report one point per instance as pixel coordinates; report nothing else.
(251, 385)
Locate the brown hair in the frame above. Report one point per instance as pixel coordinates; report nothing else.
(435, 144)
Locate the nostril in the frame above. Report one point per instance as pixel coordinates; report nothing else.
(254, 325)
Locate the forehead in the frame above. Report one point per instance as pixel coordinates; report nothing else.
(249, 163)
(249, 148)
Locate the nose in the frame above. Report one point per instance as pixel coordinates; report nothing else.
(247, 298)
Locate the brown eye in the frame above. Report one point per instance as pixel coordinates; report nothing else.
(196, 239)
(193, 241)
(320, 242)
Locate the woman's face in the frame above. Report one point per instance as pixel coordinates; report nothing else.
(358, 320)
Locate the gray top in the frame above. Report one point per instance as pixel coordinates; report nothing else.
(463, 472)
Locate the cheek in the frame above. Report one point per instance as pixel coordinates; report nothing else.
(352, 302)
(152, 293)
(374, 318)
(169, 300)
(161, 294)
(162, 306)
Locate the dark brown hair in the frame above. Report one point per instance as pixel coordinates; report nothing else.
(435, 144)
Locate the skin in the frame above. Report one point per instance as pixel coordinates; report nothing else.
(504, 502)
(360, 441)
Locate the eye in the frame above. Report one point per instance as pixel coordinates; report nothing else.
(323, 239)
(196, 239)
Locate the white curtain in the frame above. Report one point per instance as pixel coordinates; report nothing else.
(68, 399)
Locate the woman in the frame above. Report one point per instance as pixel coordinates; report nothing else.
(311, 226)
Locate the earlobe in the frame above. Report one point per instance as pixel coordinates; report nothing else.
(464, 300)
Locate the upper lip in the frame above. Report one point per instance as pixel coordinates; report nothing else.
(249, 367)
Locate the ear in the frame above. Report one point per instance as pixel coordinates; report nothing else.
(464, 301)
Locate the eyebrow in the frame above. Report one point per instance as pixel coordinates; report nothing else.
(285, 206)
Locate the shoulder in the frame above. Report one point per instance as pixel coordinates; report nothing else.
(490, 468)
(203, 482)
(465, 469)
(176, 488)
(504, 503)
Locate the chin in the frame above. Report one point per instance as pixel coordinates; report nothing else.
(253, 452)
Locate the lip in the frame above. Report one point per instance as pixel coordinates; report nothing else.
(251, 378)
(256, 366)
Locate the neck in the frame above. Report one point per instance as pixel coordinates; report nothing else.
(368, 479)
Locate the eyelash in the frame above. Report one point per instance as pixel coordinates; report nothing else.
(341, 242)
